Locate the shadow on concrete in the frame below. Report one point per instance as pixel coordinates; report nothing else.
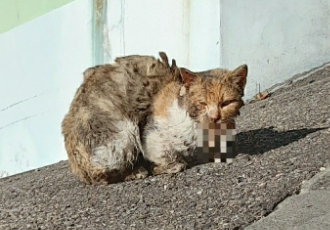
(260, 141)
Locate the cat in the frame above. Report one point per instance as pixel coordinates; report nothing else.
(170, 135)
(117, 112)
(102, 128)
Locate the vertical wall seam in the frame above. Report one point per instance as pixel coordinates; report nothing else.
(99, 21)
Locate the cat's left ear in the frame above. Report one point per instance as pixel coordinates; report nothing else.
(187, 76)
(238, 76)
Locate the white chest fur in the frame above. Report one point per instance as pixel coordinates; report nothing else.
(171, 135)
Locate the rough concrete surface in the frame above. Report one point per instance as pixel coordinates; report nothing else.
(308, 210)
(282, 141)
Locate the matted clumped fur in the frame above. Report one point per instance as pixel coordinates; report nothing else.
(130, 108)
(102, 128)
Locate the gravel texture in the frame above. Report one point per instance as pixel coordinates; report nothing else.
(282, 141)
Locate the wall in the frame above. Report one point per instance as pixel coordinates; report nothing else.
(186, 30)
(18, 12)
(157, 26)
(276, 38)
(41, 65)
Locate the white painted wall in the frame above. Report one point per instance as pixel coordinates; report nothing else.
(276, 38)
(204, 36)
(186, 30)
(41, 65)
(146, 26)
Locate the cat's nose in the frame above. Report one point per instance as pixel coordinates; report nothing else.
(214, 116)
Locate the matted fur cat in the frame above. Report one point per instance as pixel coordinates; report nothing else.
(141, 106)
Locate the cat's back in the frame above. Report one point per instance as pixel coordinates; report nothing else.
(100, 83)
(124, 88)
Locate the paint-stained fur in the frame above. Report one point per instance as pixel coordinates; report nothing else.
(131, 106)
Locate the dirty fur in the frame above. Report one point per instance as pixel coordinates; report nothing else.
(120, 108)
(170, 136)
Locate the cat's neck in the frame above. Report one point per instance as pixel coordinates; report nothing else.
(167, 96)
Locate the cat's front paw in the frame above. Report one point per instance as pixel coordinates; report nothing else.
(169, 168)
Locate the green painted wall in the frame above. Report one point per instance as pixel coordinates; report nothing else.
(16, 12)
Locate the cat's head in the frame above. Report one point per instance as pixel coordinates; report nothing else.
(213, 96)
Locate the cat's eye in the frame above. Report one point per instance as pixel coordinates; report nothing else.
(225, 103)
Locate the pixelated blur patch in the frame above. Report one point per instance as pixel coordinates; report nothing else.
(216, 142)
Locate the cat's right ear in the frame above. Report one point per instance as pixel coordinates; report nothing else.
(187, 76)
(175, 71)
(238, 76)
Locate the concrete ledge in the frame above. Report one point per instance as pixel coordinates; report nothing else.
(308, 210)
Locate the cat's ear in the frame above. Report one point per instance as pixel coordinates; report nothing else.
(175, 70)
(187, 76)
(174, 67)
(238, 76)
(164, 58)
